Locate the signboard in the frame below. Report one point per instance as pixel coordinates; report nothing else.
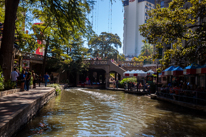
(149, 79)
(25, 63)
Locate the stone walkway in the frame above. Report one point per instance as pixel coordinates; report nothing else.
(18, 108)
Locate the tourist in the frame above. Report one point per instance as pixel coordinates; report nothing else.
(117, 82)
(39, 79)
(46, 78)
(28, 78)
(14, 75)
(87, 80)
(26, 72)
(97, 58)
(140, 85)
(114, 83)
(34, 79)
(22, 79)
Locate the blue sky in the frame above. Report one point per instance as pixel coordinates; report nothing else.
(102, 18)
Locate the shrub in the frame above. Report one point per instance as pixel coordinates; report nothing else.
(1, 80)
(56, 86)
(126, 80)
(9, 85)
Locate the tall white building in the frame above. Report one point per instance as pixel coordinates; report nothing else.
(135, 14)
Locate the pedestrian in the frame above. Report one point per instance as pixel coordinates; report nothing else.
(117, 82)
(34, 79)
(46, 78)
(114, 83)
(26, 72)
(87, 80)
(22, 79)
(14, 76)
(28, 79)
(39, 79)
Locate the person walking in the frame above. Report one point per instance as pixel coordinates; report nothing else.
(46, 78)
(22, 78)
(39, 79)
(14, 76)
(26, 72)
(28, 78)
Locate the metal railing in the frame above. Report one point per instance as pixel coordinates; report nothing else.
(189, 96)
(96, 62)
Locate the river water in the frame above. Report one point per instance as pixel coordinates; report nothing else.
(91, 112)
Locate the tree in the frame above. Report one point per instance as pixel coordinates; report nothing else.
(182, 25)
(72, 13)
(121, 57)
(146, 53)
(105, 45)
(147, 50)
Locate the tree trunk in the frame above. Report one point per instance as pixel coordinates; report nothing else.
(6, 51)
(45, 56)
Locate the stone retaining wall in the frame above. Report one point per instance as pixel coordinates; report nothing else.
(184, 104)
(12, 124)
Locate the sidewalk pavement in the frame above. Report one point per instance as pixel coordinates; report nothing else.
(13, 104)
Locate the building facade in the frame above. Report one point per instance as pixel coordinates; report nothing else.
(135, 14)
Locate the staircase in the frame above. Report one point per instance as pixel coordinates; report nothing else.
(116, 68)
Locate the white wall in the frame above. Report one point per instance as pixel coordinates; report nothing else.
(134, 15)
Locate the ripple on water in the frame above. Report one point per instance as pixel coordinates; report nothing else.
(91, 112)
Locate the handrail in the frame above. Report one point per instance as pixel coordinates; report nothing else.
(192, 96)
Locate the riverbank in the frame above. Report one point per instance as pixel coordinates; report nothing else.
(18, 108)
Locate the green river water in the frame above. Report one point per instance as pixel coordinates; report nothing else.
(91, 112)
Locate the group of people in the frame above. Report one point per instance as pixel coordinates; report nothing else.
(25, 78)
(137, 85)
(184, 89)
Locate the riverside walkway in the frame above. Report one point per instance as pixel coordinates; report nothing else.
(18, 108)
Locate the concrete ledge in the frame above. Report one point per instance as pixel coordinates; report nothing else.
(18, 108)
(7, 92)
(184, 104)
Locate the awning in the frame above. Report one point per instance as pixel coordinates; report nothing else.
(201, 69)
(191, 69)
(168, 71)
(177, 71)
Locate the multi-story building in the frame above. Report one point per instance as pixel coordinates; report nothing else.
(135, 14)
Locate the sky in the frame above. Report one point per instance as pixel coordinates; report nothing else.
(107, 18)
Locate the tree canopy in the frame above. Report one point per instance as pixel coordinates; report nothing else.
(181, 25)
(146, 53)
(105, 45)
(61, 21)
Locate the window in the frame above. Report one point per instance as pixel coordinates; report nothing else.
(162, 4)
(145, 21)
(146, 14)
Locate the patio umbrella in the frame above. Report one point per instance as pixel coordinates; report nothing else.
(191, 69)
(142, 73)
(150, 72)
(201, 69)
(168, 71)
(126, 73)
(133, 73)
(177, 71)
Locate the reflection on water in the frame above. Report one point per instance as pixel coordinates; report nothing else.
(87, 112)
